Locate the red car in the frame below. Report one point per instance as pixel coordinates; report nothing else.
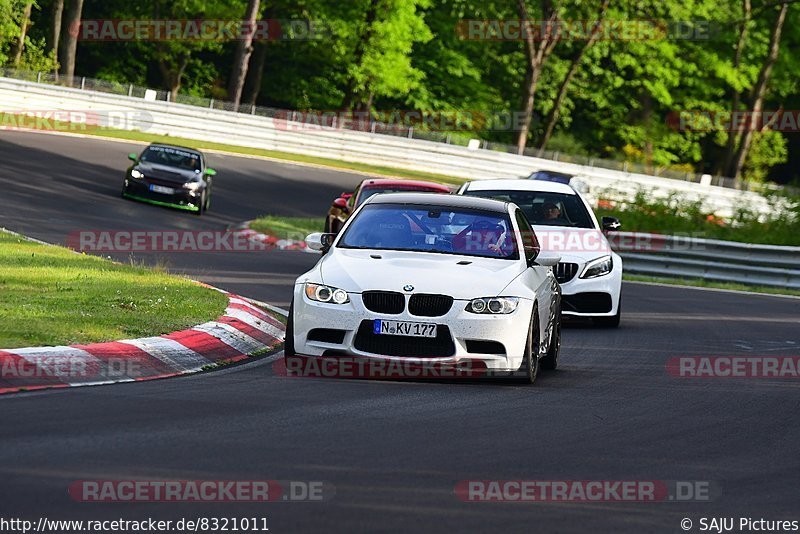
(346, 204)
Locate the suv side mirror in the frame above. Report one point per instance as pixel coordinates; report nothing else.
(133, 157)
(611, 224)
(320, 242)
(210, 172)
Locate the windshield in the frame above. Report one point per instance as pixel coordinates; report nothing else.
(548, 209)
(442, 230)
(172, 157)
(372, 191)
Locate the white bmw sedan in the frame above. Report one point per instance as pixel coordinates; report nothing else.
(590, 272)
(430, 279)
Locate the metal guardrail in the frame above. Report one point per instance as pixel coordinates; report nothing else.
(226, 127)
(371, 125)
(709, 259)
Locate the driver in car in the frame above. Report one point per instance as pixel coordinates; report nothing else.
(552, 215)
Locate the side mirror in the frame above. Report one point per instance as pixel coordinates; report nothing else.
(210, 172)
(548, 259)
(133, 157)
(320, 242)
(340, 203)
(611, 224)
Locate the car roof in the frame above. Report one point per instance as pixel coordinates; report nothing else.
(383, 182)
(521, 185)
(449, 201)
(178, 147)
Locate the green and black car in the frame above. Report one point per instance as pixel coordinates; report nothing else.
(170, 176)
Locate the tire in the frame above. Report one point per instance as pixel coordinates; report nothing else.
(550, 361)
(289, 354)
(208, 200)
(530, 359)
(610, 322)
(288, 343)
(201, 206)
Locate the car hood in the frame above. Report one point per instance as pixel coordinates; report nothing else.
(356, 271)
(170, 174)
(577, 245)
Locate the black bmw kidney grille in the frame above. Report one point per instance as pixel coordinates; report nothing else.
(384, 302)
(411, 347)
(565, 272)
(429, 305)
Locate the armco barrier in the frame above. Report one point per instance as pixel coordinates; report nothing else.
(709, 259)
(181, 120)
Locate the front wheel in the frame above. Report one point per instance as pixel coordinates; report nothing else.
(201, 206)
(530, 359)
(550, 361)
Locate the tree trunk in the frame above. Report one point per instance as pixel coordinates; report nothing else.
(173, 74)
(733, 136)
(255, 73)
(535, 54)
(351, 92)
(555, 113)
(244, 50)
(55, 29)
(23, 31)
(760, 90)
(69, 44)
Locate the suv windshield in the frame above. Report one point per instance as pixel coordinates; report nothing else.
(439, 229)
(549, 209)
(172, 157)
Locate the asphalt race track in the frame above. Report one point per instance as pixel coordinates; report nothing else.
(393, 451)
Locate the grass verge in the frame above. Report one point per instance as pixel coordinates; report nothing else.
(697, 282)
(288, 227)
(275, 154)
(52, 296)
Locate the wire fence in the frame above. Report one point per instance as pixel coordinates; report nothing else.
(367, 123)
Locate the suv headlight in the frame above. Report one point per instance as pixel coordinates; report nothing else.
(192, 186)
(323, 293)
(493, 305)
(599, 267)
(137, 174)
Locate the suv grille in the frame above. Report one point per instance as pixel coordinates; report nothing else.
(384, 302)
(429, 305)
(412, 347)
(565, 272)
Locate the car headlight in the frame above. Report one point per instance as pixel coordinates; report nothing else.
(136, 173)
(599, 267)
(493, 305)
(322, 293)
(193, 186)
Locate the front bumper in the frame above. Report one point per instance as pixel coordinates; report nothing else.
(182, 199)
(496, 342)
(593, 297)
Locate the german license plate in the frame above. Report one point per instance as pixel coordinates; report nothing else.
(403, 328)
(161, 189)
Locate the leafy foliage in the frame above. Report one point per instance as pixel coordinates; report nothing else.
(386, 55)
